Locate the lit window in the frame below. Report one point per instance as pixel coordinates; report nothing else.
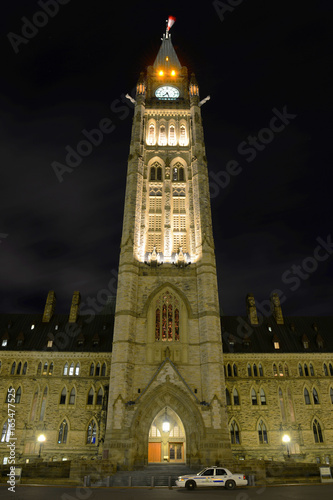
(71, 369)
(77, 369)
(51, 369)
(56, 327)
(45, 368)
(49, 343)
(32, 327)
(172, 135)
(269, 328)
(167, 318)
(274, 370)
(4, 342)
(280, 370)
(182, 136)
(5, 434)
(65, 372)
(276, 345)
(91, 433)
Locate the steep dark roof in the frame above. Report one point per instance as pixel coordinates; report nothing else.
(16, 327)
(167, 57)
(258, 338)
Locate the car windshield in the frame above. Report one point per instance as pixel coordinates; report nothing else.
(201, 472)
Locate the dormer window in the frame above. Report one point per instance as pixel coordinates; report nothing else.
(4, 342)
(276, 345)
(305, 341)
(56, 327)
(49, 343)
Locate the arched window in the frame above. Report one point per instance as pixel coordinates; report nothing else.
(281, 401)
(10, 395)
(261, 371)
(262, 397)
(175, 174)
(90, 399)
(162, 138)
(255, 371)
(300, 370)
(45, 368)
(92, 369)
(236, 397)
(43, 406)
(71, 369)
(19, 366)
(311, 370)
(65, 372)
(12, 371)
(91, 433)
(182, 135)
(234, 433)
(77, 369)
(103, 370)
(167, 318)
(39, 369)
(286, 370)
(18, 395)
(315, 396)
(234, 367)
(331, 369)
(254, 397)
(5, 434)
(25, 366)
(249, 370)
(98, 369)
(153, 174)
(306, 371)
(331, 395)
(280, 370)
(63, 431)
(63, 396)
(229, 373)
(317, 434)
(262, 433)
(325, 370)
(181, 174)
(51, 369)
(274, 370)
(99, 398)
(34, 405)
(72, 397)
(158, 174)
(172, 135)
(227, 395)
(306, 397)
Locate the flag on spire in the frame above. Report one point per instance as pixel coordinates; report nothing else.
(171, 22)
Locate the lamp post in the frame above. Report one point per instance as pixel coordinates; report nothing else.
(286, 440)
(41, 439)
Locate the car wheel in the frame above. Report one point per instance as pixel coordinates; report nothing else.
(230, 485)
(190, 485)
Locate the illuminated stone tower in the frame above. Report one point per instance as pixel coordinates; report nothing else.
(167, 369)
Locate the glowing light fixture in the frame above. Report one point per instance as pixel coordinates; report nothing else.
(166, 423)
(161, 73)
(173, 73)
(286, 438)
(167, 58)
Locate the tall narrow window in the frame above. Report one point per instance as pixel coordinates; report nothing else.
(77, 369)
(172, 135)
(162, 138)
(34, 405)
(262, 397)
(262, 433)
(63, 396)
(51, 369)
(91, 433)
(167, 318)
(325, 370)
(306, 397)
(71, 370)
(280, 370)
(99, 398)
(39, 369)
(315, 396)
(25, 366)
(45, 368)
(182, 136)
(281, 401)
(90, 399)
(12, 371)
(306, 371)
(261, 371)
(274, 370)
(65, 372)
(317, 434)
(286, 370)
(300, 370)
(158, 174)
(236, 397)
(175, 174)
(229, 374)
(19, 366)
(227, 395)
(234, 433)
(254, 397)
(151, 136)
(43, 406)
(311, 370)
(331, 369)
(234, 367)
(103, 370)
(249, 370)
(153, 174)
(5, 434)
(181, 174)
(63, 431)
(98, 369)
(18, 395)
(255, 371)
(72, 397)
(92, 369)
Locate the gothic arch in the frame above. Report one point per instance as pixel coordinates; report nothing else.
(167, 395)
(183, 298)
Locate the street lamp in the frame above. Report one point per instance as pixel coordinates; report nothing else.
(41, 439)
(286, 440)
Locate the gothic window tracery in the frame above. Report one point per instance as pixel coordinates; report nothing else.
(167, 318)
(162, 140)
(172, 135)
(151, 134)
(182, 135)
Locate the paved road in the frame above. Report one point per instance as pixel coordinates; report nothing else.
(324, 492)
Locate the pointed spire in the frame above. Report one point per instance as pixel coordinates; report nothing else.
(167, 58)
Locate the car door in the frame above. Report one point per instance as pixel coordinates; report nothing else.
(207, 478)
(220, 477)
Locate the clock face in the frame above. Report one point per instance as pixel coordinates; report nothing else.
(166, 92)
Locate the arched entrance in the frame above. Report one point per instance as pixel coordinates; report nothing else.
(166, 440)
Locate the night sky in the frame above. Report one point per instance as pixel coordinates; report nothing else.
(256, 60)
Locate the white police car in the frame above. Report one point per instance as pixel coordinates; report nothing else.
(212, 476)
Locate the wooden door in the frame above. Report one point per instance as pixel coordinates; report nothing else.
(154, 452)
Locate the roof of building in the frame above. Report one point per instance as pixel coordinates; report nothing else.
(88, 334)
(239, 336)
(167, 57)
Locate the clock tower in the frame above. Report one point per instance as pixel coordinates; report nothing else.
(167, 392)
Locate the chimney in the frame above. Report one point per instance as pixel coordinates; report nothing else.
(276, 309)
(49, 307)
(74, 312)
(251, 309)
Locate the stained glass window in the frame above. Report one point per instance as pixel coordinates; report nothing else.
(167, 318)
